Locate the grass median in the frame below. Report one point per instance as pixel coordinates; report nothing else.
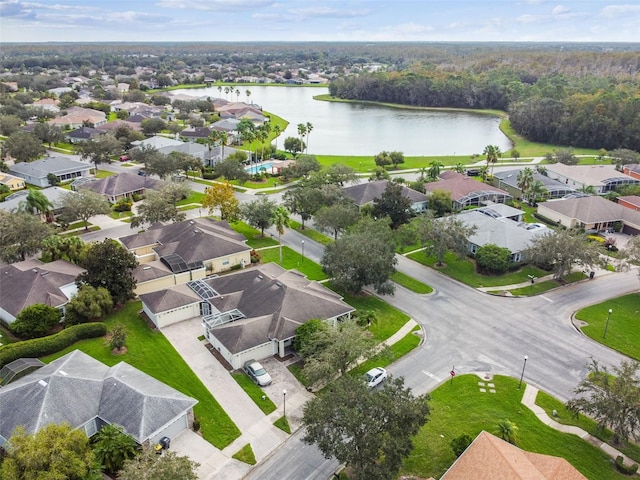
(256, 394)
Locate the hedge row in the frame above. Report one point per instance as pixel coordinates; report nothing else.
(39, 347)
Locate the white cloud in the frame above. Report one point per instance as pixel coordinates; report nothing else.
(328, 12)
(560, 10)
(225, 5)
(531, 18)
(620, 10)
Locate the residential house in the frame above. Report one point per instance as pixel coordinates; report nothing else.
(60, 90)
(229, 125)
(500, 225)
(196, 133)
(87, 394)
(82, 134)
(185, 251)
(55, 195)
(508, 181)
(49, 104)
(194, 149)
(633, 170)
(35, 173)
(250, 314)
(467, 192)
(157, 142)
(365, 193)
(591, 213)
(23, 284)
(601, 178)
(120, 185)
(111, 126)
(628, 201)
(489, 457)
(77, 117)
(11, 181)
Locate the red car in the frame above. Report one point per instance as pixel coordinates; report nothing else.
(124, 158)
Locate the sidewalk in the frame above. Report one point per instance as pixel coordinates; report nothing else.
(256, 428)
(529, 400)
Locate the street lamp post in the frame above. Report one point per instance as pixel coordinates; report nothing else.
(284, 396)
(606, 325)
(302, 241)
(524, 365)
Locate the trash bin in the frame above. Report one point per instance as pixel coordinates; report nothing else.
(591, 275)
(165, 442)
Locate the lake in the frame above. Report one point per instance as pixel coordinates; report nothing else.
(359, 129)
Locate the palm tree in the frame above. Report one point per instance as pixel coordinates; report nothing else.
(36, 202)
(525, 179)
(212, 139)
(423, 173)
(220, 90)
(492, 153)
(309, 127)
(53, 247)
(434, 169)
(237, 95)
(302, 130)
(536, 191)
(507, 431)
(226, 91)
(459, 168)
(73, 248)
(541, 169)
(262, 133)
(277, 131)
(248, 94)
(112, 447)
(588, 189)
(224, 139)
(280, 219)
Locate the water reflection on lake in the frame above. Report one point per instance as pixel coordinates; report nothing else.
(358, 129)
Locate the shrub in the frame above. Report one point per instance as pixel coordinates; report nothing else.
(123, 205)
(208, 175)
(54, 343)
(35, 321)
(622, 468)
(493, 259)
(255, 256)
(460, 444)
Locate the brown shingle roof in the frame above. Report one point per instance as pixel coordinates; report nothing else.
(460, 185)
(490, 458)
(26, 283)
(168, 299)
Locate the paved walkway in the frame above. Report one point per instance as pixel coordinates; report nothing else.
(529, 400)
(256, 428)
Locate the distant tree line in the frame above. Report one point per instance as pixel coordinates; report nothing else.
(586, 111)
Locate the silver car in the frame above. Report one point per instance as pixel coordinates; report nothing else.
(375, 376)
(257, 373)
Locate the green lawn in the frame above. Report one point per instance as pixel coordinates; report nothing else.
(292, 259)
(388, 318)
(255, 392)
(411, 283)
(6, 337)
(310, 233)
(566, 417)
(194, 197)
(253, 236)
(119, 215)
(623, 333)
(395, 352)
(104, 173)
(283, 424)
(460, 408)
(541, 287)
(246, 455)
(152, 353)
(464, 271)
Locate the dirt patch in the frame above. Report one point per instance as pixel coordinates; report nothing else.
(120, 351)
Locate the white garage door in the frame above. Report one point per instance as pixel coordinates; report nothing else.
(172, 430)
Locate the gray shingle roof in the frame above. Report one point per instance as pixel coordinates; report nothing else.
(593, 209)
(121, 184)
(77, 388)
(41, 168)
(364, 193)
(55, 195)
(168, 299)
(26, 283)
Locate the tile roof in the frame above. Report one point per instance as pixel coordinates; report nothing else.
(77, 388)
(364, 193)
(586, 174)
(157, 141)
(490, 458)
(27, 283)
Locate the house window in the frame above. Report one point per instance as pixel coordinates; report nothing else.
(225, 262)
(205, 308)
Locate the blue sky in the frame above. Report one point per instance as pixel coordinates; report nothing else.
(319, 20)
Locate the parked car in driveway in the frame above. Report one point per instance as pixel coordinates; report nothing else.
(257, 373)
(375, 376)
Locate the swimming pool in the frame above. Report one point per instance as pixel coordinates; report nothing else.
(257, 167)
